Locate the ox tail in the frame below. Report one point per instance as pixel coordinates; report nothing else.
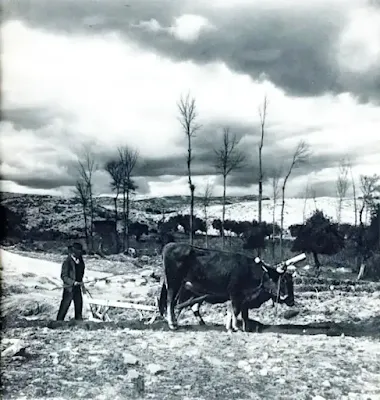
(162, 302)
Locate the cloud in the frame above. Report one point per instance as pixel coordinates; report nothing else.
(292, 44)
(66, 84)
(186, 28)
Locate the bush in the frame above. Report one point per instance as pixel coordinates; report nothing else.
(318, 236)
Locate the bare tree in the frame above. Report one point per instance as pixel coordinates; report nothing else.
(369, 185)
(206, 199)
(263, 115)
(86, 169)
(313, 194)
(307, 194)
(341, 187)
(275, 195)
(114, 168)
(227, 159)
(300, 156)
(81, 191)
(349, 165)
(128, 159)
(187, 117)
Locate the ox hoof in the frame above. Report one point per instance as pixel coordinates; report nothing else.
(201, 322)
(173, 327)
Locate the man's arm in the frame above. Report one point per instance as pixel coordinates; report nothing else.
(81, 268)
(65, 273)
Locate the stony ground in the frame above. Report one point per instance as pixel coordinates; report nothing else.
(127, 359)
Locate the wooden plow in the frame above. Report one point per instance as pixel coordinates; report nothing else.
(99, 308)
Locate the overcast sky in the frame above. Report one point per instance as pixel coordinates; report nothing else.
(108, 73)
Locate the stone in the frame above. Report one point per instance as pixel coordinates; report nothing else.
(155, 369)
(130, 359)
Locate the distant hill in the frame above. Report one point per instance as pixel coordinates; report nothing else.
(60, 214)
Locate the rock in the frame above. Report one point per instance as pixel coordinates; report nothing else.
(14, 349)
(140, 282)
(213, 361)
(263, 372)
(145, 258)
(146, 274)
(290, 314)
(130, 359)
(155, 369)
(133, 374)
(318, 397)
(326, 384)
(281, 381)
(242, 364)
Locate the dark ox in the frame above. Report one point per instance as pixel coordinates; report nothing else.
(194, 275)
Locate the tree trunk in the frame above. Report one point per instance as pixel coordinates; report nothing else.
(361, 213)
(223, 209)
(355, 203)
(339, 216)
(260, 189)
(316, 260)
(124, 221)
(116, 219)
(115, 205)
(191, 213)
(273, 228)
(206, 223)
(85, 227)
(127, 219)
(92, 219)
(282, 220)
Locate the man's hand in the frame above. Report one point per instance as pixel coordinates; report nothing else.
(78, 283)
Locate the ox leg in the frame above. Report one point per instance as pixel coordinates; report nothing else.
(172, 322)
(244, 316)
(195, 309)
(232, 314)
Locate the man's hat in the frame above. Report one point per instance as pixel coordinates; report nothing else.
(76, 246)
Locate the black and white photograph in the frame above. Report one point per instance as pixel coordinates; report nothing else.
(190, 199)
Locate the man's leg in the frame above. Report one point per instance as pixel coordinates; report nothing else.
(78, 302)
(65, 304)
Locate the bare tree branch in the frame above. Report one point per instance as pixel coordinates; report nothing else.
(369, 185)
(227, 159)
(349, 166)
(263, 115)
(275, 195)
(341, 186)
(300, 157)
(128, 158)
(206, 199)
(187, 118)
(86, 167)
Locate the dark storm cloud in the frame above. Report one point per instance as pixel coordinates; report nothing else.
(203, 163)
(46, 182)
(26, 117)
(294, 47)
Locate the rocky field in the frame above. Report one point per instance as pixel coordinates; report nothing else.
(329, 348)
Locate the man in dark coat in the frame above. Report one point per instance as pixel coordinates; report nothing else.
(72, 276)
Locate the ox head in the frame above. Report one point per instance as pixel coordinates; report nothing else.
(278, 282)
